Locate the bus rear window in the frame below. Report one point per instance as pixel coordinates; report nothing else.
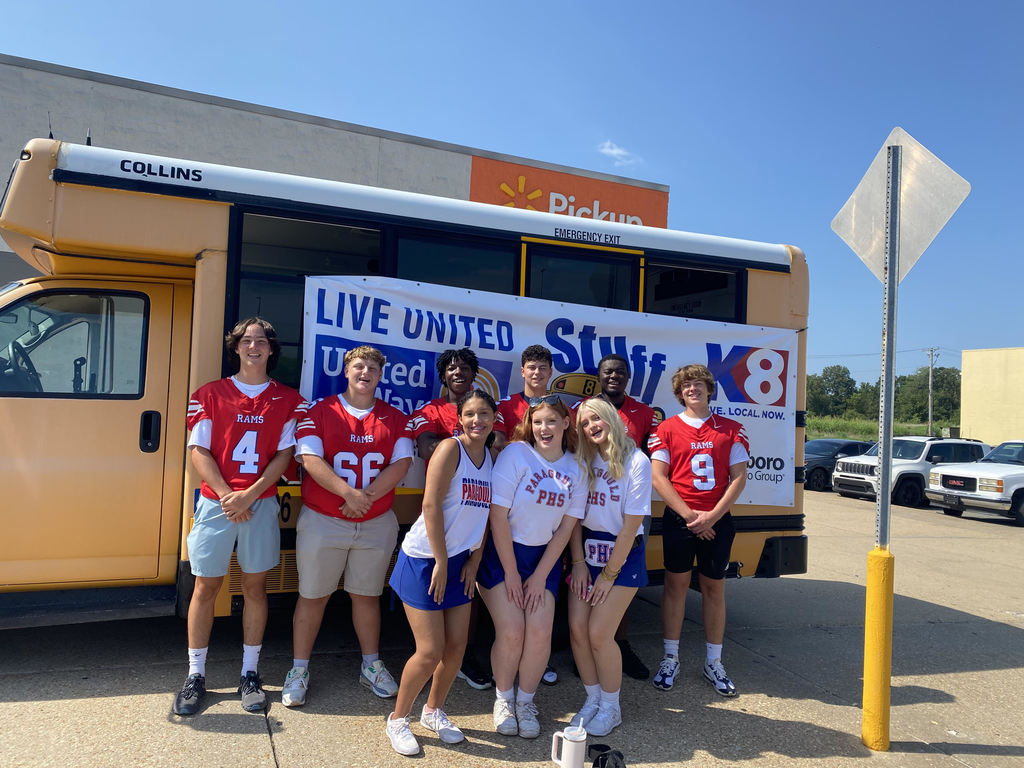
(688, 292)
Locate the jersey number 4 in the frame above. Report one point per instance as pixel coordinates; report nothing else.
(357, 471)
(245, 454)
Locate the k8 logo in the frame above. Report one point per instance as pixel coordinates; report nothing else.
(750, 374)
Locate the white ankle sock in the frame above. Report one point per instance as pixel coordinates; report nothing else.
(197, 661)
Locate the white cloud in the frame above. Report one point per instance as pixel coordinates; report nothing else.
(620, 155)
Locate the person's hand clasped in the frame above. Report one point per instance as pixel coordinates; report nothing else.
(236, 508)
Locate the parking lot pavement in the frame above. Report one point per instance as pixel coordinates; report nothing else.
(100, 694)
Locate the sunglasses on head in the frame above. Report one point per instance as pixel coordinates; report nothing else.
(542, 400)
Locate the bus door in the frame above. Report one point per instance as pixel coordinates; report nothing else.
(84, 370)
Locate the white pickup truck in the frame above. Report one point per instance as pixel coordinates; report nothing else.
(994, 483)
(913, 458)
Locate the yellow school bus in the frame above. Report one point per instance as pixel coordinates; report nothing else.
(146, 260)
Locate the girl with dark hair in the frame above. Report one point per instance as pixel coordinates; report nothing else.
(435, 575)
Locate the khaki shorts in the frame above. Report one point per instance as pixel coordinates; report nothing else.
(327, 548)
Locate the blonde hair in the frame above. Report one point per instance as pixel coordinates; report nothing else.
(618, 447)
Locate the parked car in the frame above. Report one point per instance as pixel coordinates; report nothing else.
(994, 483)
(913, 458)
(820, 459)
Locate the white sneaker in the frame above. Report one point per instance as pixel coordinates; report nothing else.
(505, 718)
(587, 711)
(438, 722)
(605, 721)
(715, 674)
(529, 726)
(293, 693)
(665, 677)
(377, 678)
(402, 740)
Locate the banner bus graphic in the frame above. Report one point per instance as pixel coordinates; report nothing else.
(144, 260)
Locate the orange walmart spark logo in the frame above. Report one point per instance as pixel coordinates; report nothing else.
(520, 198)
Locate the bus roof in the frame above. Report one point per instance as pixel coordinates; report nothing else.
(98, 166)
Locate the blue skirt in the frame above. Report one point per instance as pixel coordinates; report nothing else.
(491, 573)
(634, 570)
(410, 579)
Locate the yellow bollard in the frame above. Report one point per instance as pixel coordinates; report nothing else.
(878, 650)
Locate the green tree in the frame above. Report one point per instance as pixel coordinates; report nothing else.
(839, 387)
(864, 401)
(912, 395)
(817, 400)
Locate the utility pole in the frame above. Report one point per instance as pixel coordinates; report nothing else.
(931, 366)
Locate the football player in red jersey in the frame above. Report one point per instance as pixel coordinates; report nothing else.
(354, 450)
(242, 438)
(438, 419)
(536, 371)
(699, 467)
(640, 421)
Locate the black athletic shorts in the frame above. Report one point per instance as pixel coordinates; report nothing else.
(682, 546)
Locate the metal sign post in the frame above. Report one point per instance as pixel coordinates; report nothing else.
(881, 565)
(927, 196)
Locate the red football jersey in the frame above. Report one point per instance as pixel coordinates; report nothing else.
(511, 410)
(438, 416)
(356, 449)
(640, 419)
(699, 457)
(245, 431)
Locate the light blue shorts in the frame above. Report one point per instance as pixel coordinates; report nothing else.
(213, 538)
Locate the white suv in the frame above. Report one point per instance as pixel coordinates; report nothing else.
(913, 458)
(995, 483)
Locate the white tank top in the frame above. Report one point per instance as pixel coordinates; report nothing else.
(465, 508)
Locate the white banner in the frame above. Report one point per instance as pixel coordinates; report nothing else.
(412, 323)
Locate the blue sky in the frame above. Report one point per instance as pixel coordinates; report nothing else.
(761, 117)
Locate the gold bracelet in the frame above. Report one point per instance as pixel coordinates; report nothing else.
(578, 562)
(610, 575)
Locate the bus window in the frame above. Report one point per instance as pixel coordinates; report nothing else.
(688, 292)
(581, 276)
(276, 255)
(474, 264)
(70, 344)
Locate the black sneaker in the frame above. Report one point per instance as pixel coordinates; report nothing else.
(550, 676)
(188, 699)
(472, 674)
(251, 688)
(631, 663)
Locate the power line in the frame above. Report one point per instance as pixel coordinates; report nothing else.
(876, 353)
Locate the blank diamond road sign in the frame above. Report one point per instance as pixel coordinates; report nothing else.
(930, 193)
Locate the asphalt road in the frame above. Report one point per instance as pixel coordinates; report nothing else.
(100, 694)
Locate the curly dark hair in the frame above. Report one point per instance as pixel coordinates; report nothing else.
(449, 356)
